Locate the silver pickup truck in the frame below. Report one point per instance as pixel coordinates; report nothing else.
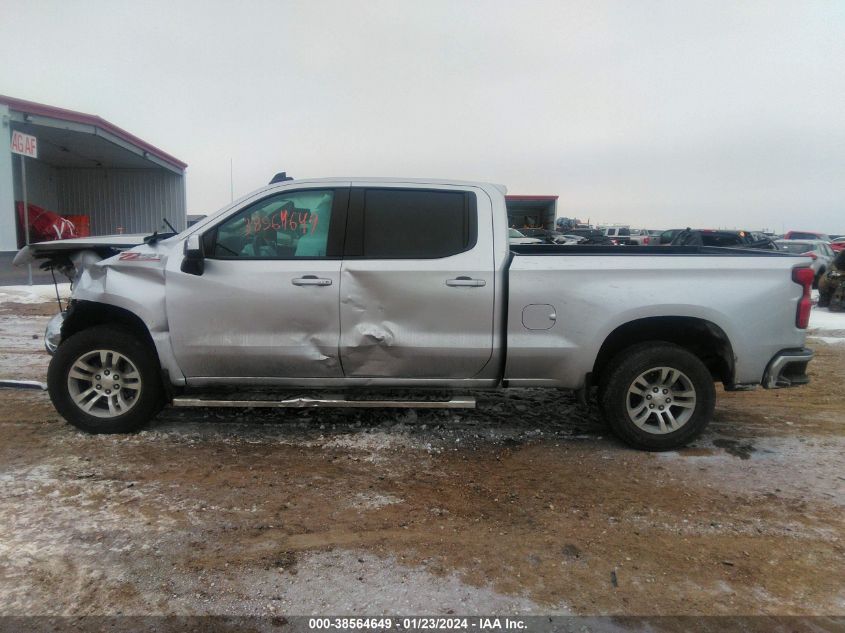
(407, 293)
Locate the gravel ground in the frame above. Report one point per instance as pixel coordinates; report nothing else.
(526, 505)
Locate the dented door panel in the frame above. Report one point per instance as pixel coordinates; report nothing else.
(403, 321)
(419, 318)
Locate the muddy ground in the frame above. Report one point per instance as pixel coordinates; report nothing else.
(527, 505)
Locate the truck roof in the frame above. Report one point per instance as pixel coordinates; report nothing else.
(416, 181)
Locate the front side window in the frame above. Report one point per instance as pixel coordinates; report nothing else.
(284, 226)
(417, 223)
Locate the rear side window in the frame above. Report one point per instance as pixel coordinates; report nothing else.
(412, 224)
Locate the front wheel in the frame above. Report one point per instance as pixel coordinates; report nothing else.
(105, 380)
(657, 396)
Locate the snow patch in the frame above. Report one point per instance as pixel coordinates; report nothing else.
(824, 319)
(826, 326)
(830, 340)
(369, 442)
(373, 500)
(33, 294)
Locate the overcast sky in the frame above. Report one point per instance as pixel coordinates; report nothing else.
(657, 114)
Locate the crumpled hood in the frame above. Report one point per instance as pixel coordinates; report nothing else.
(85, 260)
(103, 244)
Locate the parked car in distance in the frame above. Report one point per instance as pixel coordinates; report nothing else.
(667, 236)
(619, 234)
(517, 237)
(574, 239)
(723, 239)
(831, 282)
(548, 236)
(806, 235)
(592, 236)
(645, 237)
(817, 250)
(838, 244)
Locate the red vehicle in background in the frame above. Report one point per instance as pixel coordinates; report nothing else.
(44, 225)
(806, 235)
(838, 244)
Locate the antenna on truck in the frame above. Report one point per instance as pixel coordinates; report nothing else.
(282, 176)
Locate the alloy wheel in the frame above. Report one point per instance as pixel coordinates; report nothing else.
(104, 383)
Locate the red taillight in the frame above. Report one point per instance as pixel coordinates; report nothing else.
(803, 277)
(645, 241)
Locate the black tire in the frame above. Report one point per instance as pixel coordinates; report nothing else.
(143, 406)
(627, 367)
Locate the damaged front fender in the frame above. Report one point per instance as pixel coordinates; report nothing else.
(128, 287)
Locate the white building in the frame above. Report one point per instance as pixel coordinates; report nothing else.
(88, 167)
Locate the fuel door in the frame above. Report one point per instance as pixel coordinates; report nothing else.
(539, 316)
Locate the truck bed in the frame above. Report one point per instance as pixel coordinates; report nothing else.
(598, 249)
(565, 301)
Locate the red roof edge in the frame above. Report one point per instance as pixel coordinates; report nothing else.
(40, 109)
(538, 198)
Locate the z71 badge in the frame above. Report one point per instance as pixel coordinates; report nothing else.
(140, 257)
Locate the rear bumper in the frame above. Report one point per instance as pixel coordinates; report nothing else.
(788, 368)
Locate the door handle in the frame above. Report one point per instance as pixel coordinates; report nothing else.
(466, 282)
(311, 280)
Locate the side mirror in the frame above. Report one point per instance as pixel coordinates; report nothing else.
(194, 262)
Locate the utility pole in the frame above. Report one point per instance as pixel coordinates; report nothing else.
(25, 212)
(25, 145)
(231, 181)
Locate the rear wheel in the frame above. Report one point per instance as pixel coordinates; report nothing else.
(657, 396)
(105, 380)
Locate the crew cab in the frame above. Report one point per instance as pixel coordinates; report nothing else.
(407, 293)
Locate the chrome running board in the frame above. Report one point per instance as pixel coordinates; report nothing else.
(458, 402)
